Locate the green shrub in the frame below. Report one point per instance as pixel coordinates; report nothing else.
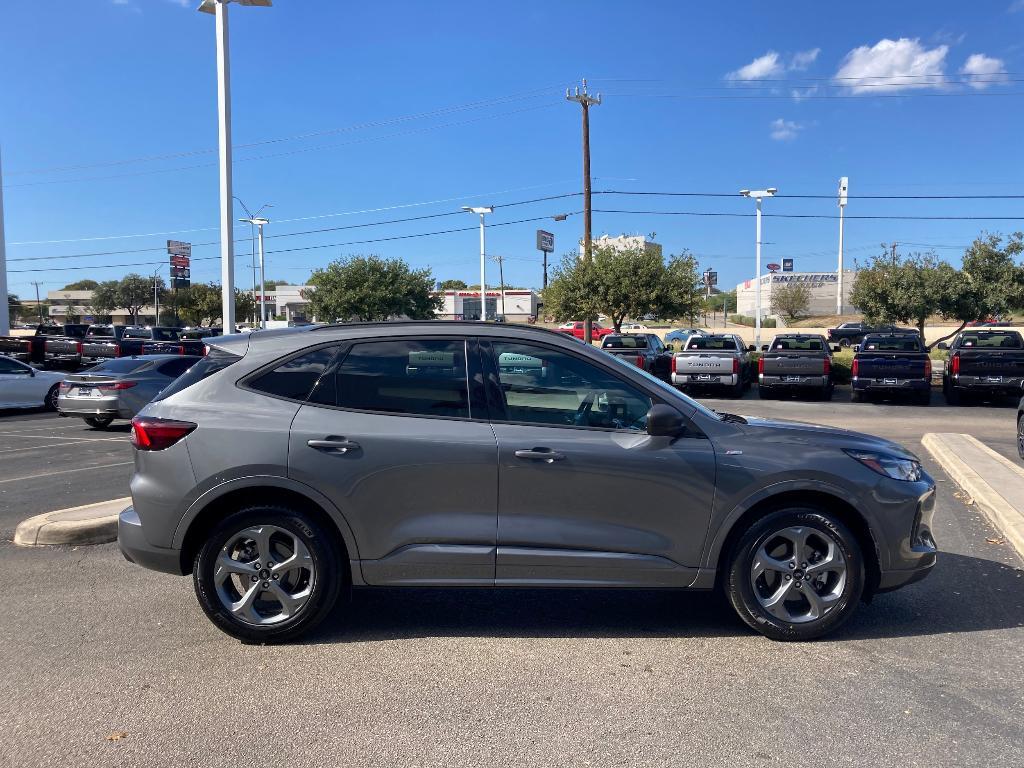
(768, 322)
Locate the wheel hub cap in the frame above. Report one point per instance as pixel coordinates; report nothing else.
(798, 574)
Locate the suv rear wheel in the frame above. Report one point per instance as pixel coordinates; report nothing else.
(267, 574)
(795, 574)
(1020, 435)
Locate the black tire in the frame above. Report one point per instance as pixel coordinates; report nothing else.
(765, 393)
(1020, 435)
(844, 343)
(99, 422)
(952, 396)
(841, 595)
(323, 580)
(50, 403)
(826, 392)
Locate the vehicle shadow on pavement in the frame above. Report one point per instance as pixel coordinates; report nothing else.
(963, 594)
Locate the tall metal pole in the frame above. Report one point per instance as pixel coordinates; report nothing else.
(252, 239)
(227, 246)
(39, 307)
(263, 292)
(501, 281)
(844, 184)
(545, 268)
(757, 287)
(5, 316)
(483, 271)
(585, 100)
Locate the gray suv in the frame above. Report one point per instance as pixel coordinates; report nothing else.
(289, 465)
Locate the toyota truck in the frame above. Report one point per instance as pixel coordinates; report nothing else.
(719, 361)
(644, 350)
(796, 363)
(892, 364)
(33, 349)
(106, 341)
(984, 361)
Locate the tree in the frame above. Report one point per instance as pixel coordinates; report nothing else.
(71, 314)
(621, 283)
(202, 304)
(82, 285)
(14, 307)
(371, 288)
(791, 300)
(131, 293)
(271, 285)
(453, 285)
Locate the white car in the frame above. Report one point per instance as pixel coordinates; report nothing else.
(22, 386)
(634, 327)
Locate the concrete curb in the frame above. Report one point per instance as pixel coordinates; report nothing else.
(994, 482)
(88, 524)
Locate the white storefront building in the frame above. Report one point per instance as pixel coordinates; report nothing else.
(519, 305)
(823, 285)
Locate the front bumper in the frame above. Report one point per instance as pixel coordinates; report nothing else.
(915, 552)
(136, 549)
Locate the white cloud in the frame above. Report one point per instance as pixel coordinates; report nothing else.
(182, 3)
(785, 130)
(803, 59)
(1015, 6)
(759, 69)
(893, 65)
(981, 71)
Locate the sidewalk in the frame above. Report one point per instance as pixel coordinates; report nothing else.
(994, 482)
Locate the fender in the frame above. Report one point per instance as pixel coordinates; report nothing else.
(714, 546)
(274, 481)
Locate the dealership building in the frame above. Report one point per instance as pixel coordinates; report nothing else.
(518, 306)
(823, 287)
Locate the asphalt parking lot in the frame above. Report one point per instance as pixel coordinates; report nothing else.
(109, 664)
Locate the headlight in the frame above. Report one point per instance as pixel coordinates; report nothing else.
(890, 466)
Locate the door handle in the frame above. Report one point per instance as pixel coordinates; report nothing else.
(333, 445)
(540, 454)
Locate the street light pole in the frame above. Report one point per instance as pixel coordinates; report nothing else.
(585, 100)
(5, 316)
(758, 195)
(227, 246)
(258, 222)
(844, 184)
(482, 210)
(156, 300)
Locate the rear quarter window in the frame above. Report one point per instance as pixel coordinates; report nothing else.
(295, 378)
(216, 361)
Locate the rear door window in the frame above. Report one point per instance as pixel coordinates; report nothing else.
(408, 377)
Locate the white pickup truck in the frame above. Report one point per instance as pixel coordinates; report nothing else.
(719, 360)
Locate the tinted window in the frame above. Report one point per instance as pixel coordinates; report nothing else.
(624, 342)
(10, 366)
(99, 332)
(894, 344)
(123, 365)
(217, 360)
(174, 368)
(418, 378)
(806, 343)
(294, 379)
(712, 342)
(1004, 340)
(165, 334)
(136, 333)
(544, 386)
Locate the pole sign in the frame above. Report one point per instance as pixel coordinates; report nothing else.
(787, 265)
(545, 241)
(710, 278)
(181, 261)
(773, 267)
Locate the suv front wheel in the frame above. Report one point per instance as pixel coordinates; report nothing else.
(267, 574)
(795, 574)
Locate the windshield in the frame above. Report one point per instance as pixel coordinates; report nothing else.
(893, 344)
(712, 342)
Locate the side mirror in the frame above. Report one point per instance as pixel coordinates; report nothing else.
(764, 347)
(837, 348)
(942, 345)
(856, 348)
(751, 348)
(664, 421)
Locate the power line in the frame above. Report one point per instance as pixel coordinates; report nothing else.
(815, 216)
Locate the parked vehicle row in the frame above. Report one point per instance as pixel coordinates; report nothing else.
(849, 334)
(49, 343)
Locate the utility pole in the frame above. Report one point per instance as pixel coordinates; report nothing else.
(5, 317)
(892, 248)
(501, 281)
(844, 185)
(39, 307)
(585, 100)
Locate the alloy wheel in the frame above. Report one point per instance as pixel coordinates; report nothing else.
(264, 575)
(798, 574)
(1020, 436)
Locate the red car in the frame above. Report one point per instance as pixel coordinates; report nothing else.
(598, 331)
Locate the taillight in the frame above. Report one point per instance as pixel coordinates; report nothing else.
(927, 367)
(117, 350)
(181, 349)
(760, 365)
(78, 347)
(954, 364)
(64, 386)
(116, 385)
(735, 365)
(639, 361)
(827, 368)
(673, 363)
(150, 434)
(206, 349)
(855, 368)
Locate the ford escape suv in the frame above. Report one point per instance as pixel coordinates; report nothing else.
(290, 465)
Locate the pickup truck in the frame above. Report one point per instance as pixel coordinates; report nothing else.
(644, 350)
(106, 341)
(33, 349)
(848, 334)
(796, 362)
(716, 360)
(983, 361)
(892, 363)
(575, 329)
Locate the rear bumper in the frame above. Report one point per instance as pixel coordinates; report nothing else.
(888, 385)
(771, 380)
(987, 384)
(711, 380)
(136, 549)
(92, 406)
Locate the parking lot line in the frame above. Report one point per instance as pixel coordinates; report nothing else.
(57, 425)
(61, 445)
(65, 437)
(63, 472)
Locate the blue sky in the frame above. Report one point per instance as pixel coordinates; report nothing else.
(108, 128)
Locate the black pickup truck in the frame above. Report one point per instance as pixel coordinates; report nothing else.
(39, 348)
(848, 334)
(798, 363)
(892, 364)
(984, 361)
(106, 341)
(644, 350)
